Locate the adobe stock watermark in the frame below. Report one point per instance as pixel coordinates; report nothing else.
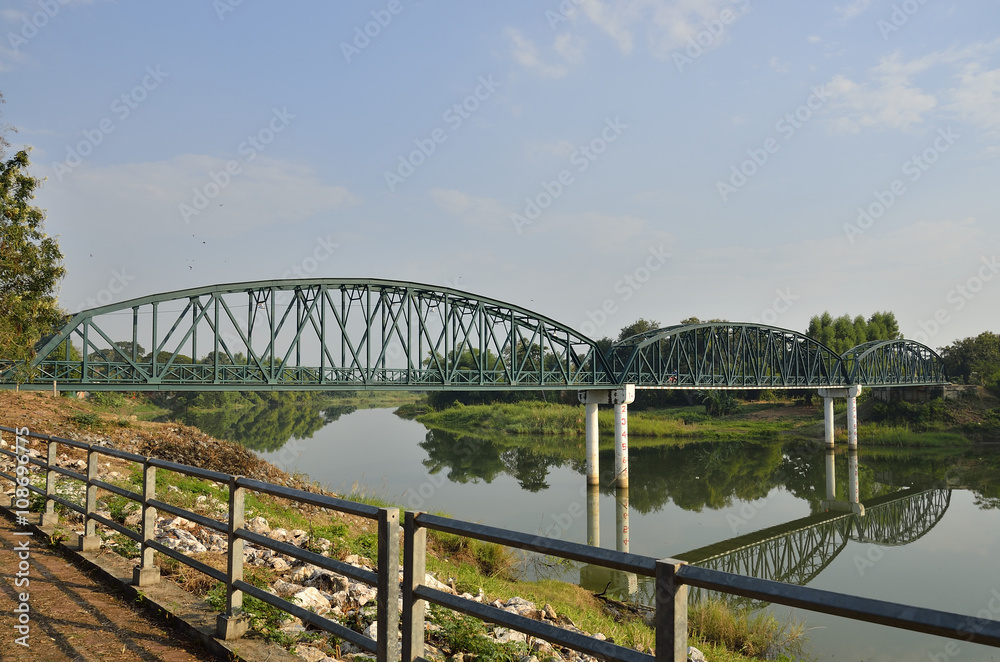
(363, 36)
(581, 158)
(223, 7)
(985, 617)
(248, 149)
(901, 14)
(116, 285)
(786, 127)
(958, 296)
(782, 303)
(22, 612)
(324, 250)
(714, 30)
(30, 25)
(122, 108)
(913, 169)
(454, 116)
(625, 287)
(750, 509)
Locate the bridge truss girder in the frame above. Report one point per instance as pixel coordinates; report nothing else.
(317, 334)
(726, 355)
(894, 363)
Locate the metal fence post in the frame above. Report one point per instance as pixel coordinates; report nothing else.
(147, 573)
(671, 612)
(414, 569)
(49, 516)
(90, 541)
(234, 624)
(387, 598)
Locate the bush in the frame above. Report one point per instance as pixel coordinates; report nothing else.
(108, 399)
(720, 403)
(86, 419)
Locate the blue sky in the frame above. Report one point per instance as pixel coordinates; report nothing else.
(592, 160)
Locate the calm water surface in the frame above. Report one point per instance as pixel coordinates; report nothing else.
(930, 535)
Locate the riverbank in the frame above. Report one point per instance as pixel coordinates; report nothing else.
(952, 423)
(476, 569)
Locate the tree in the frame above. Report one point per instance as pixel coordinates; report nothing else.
(31, 264)
(842, 333)
(641, 325)
(974, 360)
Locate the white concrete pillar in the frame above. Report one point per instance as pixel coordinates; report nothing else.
(828, 420)
(853, 487)
(593, 463)
(593, 515)
(621, 446)
(831, 475)
(852, 416)
(621, 519)
(621, 399)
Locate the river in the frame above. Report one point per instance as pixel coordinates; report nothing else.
(930, 535)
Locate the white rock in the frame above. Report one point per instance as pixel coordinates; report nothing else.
(310, 654)
(285, 589)
(302, 573)
(258, 525)
(504, 636)
(431, 582)
(372, 631)
(279, 564)
(362, 593)
(311, 598)
(695, 655)
(177, 523)
(278, 534)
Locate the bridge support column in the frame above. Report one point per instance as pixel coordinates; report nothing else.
(852, 416)
(831, 475)
(622, 398)
(593, 468)
(828, 420)
(853, 483)
(594, 515)
(621, 519)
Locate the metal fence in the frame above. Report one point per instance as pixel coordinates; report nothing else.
(672, 577)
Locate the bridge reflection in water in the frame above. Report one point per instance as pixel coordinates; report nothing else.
(795, 552)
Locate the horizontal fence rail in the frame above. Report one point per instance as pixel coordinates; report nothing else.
(401, 636)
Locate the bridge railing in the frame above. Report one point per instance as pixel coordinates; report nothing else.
(672, 577)
(231, 624)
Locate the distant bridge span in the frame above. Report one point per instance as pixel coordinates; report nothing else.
(358, 334)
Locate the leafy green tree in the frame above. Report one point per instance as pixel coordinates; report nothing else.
(31, 264)
(641, 325)
(842, 333)
(974, 360)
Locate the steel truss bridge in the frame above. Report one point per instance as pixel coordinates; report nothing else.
(356, 334)
(796, 552)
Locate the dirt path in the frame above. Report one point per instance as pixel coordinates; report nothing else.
(74, 618)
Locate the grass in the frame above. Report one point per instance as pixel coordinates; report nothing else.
(689, 423)
(757, 634)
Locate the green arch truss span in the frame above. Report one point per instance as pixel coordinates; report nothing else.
(726, 355)
(736, 355)
(347, 334)
(892, 363)
(327, 334)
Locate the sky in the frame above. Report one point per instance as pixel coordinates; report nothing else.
(594, 161)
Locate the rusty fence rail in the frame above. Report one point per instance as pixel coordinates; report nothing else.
(672, 577)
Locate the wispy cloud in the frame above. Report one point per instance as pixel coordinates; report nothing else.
(891, 98)
(526, 53)
(853, 9)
